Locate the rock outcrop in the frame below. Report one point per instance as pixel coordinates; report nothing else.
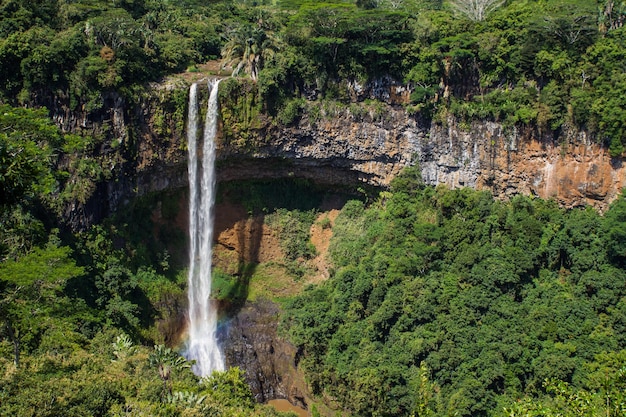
(252, 343)
(573, 169)
(364, 142)
(370, 143)
(341, 148)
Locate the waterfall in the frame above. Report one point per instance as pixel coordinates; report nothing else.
(202, 345)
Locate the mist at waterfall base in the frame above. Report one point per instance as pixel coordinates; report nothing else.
(202, 345)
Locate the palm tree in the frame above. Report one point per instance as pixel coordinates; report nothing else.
(247, 48)
(165, 359)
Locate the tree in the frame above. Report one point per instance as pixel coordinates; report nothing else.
(426, 393)
(29, 287)
(228, 388)
(166, 360)
(565, 400)
(247, 48)
(614, 225)
(613, 16)
(476, 10)
(27, 139)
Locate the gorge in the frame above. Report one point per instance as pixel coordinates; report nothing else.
(358, 149)
(361, 144)
(388, 208)
(331, 149)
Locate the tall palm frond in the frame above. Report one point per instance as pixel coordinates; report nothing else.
(247, 48)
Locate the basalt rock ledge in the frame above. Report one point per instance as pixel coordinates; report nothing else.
(572, 168)
(364, 143)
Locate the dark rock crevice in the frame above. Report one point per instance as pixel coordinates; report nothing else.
(252, 342)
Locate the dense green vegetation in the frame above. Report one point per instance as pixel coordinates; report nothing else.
(440, 302)
(446, 302)
(110, 376)
(79, 331)
(544, 63)
(78, 50)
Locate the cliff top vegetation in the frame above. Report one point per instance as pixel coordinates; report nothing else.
(548, 63)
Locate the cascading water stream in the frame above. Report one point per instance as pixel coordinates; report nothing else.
(202, 346)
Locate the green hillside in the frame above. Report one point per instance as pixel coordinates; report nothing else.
(439, 302)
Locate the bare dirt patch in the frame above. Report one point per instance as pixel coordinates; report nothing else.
(200, 71)
(242, 239)
(245, 246)
(321, 232)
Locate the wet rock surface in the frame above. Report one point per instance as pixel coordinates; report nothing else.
(252, 342)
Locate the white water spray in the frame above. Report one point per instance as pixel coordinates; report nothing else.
(203, 346)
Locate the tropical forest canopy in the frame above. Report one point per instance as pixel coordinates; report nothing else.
(440, 302)
(446, 302)
(550, 63)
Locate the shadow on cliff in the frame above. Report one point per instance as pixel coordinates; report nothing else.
(243, 241)
(249, 239)
(238, 239)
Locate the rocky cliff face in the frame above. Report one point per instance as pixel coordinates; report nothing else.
(372, 149)
(339, 148)
(333, 143)
(270, 362)
(573, 170)
(370, 143)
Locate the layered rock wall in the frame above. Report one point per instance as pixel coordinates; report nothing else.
(361, 143)
(572, 169)
(342, 148)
